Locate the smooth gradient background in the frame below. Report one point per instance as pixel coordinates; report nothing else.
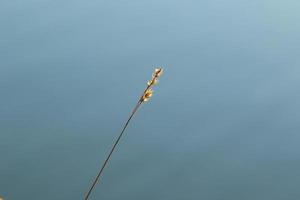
(223, 124)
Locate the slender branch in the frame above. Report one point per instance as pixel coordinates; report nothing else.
(112, 150)
(145, 97)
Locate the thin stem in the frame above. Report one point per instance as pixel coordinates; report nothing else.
(112, 149)
(145, 97)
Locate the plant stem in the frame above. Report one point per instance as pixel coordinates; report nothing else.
(144, 97)
(112, 149)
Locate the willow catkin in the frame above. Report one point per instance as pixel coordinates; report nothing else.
(147, 94)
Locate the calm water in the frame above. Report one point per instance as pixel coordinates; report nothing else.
(223, 123)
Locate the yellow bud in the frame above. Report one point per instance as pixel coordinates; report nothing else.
(147, 95)
(152, 82)
(145, 100)
(158, 72)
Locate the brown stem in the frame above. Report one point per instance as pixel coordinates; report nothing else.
(141, 100)
(112, 149)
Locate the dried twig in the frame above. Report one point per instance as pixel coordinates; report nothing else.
(148, 92)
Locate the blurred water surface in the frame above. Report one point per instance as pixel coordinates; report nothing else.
(223, 123)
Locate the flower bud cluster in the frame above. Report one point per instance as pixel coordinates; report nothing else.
(149, 92)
